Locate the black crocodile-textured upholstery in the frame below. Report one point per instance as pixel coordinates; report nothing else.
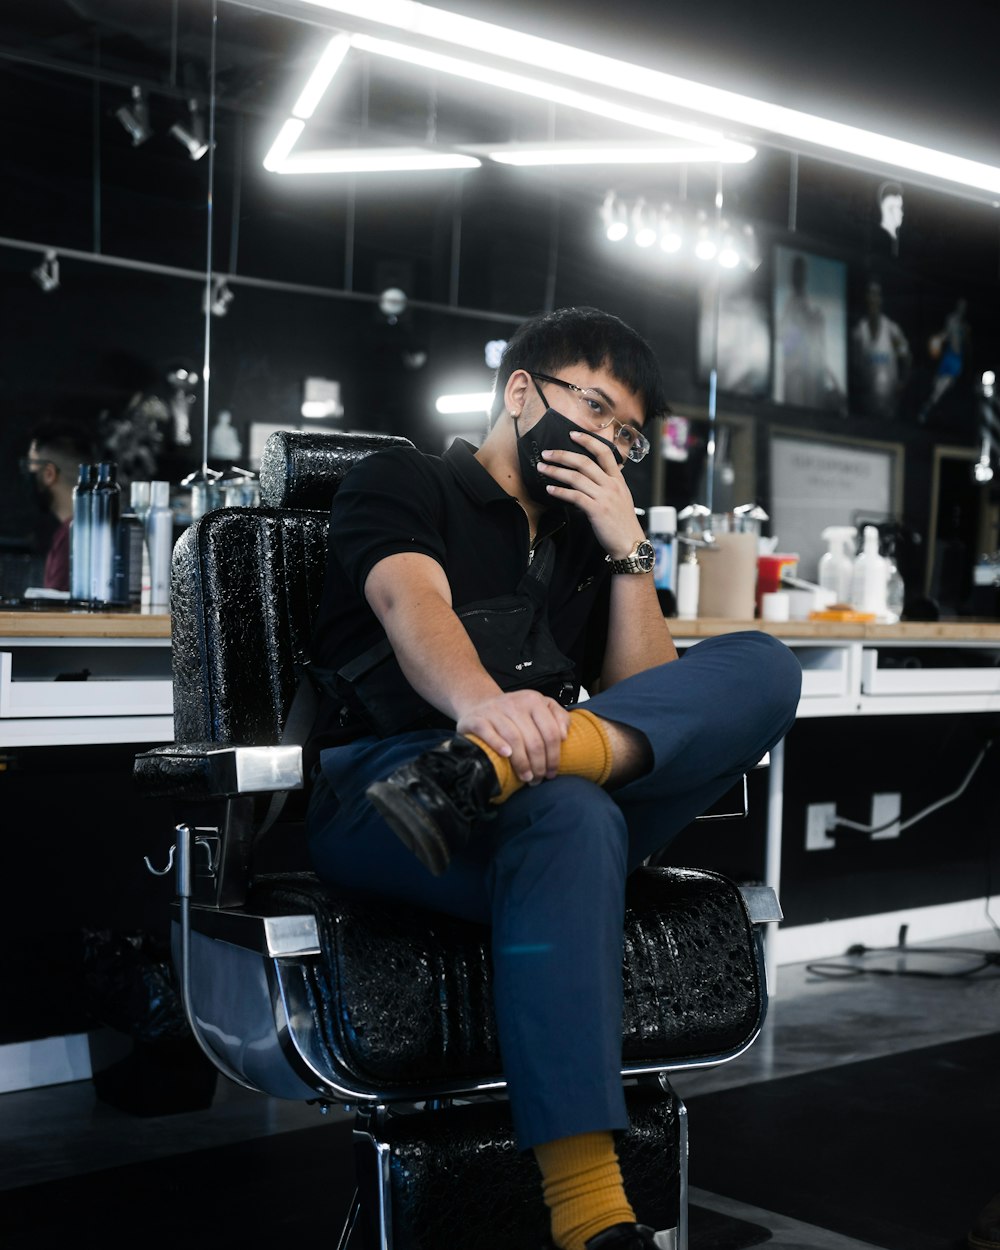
(691, 979)
(457, 1178)
(303, 468)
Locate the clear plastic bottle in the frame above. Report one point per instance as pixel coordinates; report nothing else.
(688, 585)
(836, 565)
(80, 532)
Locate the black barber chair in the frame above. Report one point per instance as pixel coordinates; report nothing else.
(302, 994)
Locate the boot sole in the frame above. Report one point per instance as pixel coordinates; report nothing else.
(411, 824)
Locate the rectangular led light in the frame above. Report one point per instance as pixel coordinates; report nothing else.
(322, 75)
(372, 160)
(478, 401)
(596, 70)
(542, 154)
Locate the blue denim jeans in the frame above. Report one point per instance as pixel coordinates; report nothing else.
(548, 872)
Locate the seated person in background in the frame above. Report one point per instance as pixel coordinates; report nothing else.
(452, 778)
(55, 452)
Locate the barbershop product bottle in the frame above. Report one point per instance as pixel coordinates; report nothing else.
(662, 533)
(129, 543)
(79, 534)
(836, 565)
(160, 541)
(870, 577)
(105, 513)
(688, 585)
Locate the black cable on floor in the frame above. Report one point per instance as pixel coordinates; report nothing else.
(988, 959)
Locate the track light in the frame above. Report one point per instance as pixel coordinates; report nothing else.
(220, 299)
(135, 117)
(729, 256)
(192, 135)
(671, 230)
(643, 224)
(47, 273)
(705, 246)
(613, 217)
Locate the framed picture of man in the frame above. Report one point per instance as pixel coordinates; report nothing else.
(810, 331)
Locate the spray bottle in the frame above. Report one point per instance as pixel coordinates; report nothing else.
(870, 577)
(836, 565)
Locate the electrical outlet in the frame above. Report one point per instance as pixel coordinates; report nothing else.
(819, 821)
(886, 807)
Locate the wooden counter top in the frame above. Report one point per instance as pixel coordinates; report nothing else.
(52, 623)
(969, 629)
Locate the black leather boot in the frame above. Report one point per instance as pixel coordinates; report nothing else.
(432, 802)
(622, 1237)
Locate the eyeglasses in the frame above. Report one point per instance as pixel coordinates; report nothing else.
(591, 408)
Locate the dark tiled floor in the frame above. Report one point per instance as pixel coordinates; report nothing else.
(815, 1022)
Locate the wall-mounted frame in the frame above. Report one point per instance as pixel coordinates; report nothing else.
(816, 481)
(809, 310)
(961, 525)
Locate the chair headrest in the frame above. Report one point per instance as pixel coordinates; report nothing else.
(303, 468)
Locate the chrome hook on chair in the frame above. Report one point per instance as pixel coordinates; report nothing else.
(161, 872)
(204, 844)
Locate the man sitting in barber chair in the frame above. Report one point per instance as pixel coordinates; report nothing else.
(467, 599)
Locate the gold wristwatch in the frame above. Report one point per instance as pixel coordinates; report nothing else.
(640, 559)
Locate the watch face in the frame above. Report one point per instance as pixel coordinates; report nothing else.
(645, 556)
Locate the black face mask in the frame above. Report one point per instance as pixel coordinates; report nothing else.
(551, 432)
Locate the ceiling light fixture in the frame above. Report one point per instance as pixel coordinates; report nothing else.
(192, 135)
(221, 298)
(47, 273)
(671, 230)
(703, 144)
(614, 217)
(135, 118)
(758, 116)
(543, 154)
(537, 88)
(321, 77)
(370, 161)
(643, 224)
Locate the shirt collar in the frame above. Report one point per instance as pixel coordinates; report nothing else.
(484, 488)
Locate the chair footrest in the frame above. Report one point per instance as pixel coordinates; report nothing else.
(457, 1178)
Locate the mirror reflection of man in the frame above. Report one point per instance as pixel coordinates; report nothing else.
(55, 452)
(881, 358)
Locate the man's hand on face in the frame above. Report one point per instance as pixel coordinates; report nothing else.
(524, 726)
(596, 486)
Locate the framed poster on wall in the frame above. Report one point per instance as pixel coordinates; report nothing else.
(809, 308)
(816, 482)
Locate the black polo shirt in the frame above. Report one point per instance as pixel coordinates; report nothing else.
(449, 508)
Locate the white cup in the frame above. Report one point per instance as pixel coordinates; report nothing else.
(775, 606)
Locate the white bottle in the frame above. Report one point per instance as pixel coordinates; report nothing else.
(160, 541)
(870, 577)
(836, 565)
(662, 533)
(688, 585)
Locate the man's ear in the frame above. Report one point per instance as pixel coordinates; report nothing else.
(516, 392)
(49, 473)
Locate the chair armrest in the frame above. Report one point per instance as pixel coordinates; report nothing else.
(204, 770)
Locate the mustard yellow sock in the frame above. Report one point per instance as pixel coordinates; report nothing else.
(586, 752)
(582, 1187)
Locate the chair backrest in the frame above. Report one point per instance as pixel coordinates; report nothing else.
(245, 587)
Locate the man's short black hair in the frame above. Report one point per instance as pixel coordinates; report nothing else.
(66, 443)
(549, 342)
